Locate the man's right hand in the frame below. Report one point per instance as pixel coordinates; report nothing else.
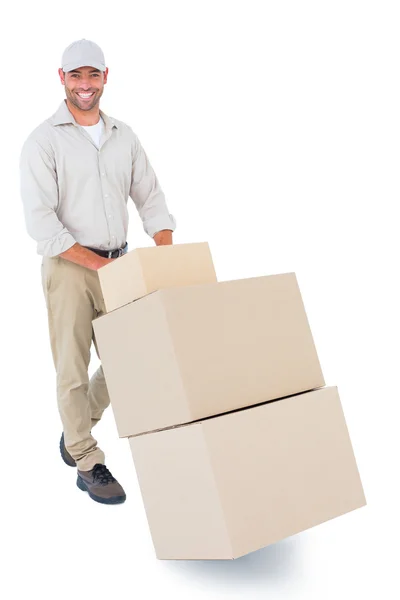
(86, 258)
(105, 261)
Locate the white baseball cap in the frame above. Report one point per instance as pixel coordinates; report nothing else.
(83, 53)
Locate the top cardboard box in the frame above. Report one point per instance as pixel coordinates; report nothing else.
(145, 270)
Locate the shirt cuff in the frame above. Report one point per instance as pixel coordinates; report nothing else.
(156, 224)
(54, 246)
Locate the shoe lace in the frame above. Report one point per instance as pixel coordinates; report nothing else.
(102, 475)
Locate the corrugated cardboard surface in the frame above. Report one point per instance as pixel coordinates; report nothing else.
(145, 270)
(229, 485)
(185, 353)
(122, 281)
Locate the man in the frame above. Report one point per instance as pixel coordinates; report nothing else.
(77, 170)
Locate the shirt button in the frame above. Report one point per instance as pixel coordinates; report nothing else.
(109, 216)
(106, 196)
(103, 174)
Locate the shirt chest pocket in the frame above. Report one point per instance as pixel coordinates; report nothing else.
(81, 164)
(115, 166)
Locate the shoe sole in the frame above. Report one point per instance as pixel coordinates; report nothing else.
(65, 459)
(114, 500)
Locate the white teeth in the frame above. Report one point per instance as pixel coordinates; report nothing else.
(86, 95)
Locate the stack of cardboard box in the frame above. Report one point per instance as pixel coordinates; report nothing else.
(236, 441)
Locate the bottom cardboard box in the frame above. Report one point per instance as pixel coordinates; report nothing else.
(228, 485)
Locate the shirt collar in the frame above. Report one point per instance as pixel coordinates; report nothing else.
(64, 116)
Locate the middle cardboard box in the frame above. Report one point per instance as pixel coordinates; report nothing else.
(181, 354)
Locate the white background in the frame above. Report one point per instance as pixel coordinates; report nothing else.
(273, 127)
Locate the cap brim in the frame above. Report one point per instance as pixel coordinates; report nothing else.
(72, 66)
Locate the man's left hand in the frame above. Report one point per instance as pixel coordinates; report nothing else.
(163, 238)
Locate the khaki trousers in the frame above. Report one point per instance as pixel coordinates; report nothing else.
(73, 298)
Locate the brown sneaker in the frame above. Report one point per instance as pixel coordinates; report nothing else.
(65, 455)
(101, 485)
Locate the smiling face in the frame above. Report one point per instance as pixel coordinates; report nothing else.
(84, 86)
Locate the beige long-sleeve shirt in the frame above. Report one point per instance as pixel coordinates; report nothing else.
(73, 191)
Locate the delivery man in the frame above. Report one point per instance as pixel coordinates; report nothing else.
(77, 170)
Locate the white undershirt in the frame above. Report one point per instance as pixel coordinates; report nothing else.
(95, 131)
